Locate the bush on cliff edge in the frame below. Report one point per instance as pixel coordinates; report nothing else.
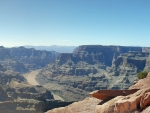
(142, 74)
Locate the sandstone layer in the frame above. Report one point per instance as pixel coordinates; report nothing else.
(85, 106)
(133, 103)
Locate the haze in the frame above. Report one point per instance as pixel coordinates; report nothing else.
(74, 22)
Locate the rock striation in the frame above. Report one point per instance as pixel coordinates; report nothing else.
(94, 67)
(21, 59)
(19, 97)
(137, 102)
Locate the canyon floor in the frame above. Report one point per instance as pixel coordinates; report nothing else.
(30, 78)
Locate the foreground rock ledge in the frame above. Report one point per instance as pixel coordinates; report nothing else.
(138, 102)
(108, 94)
(85, 106)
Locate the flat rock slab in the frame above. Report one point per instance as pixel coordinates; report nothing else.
(108, 94)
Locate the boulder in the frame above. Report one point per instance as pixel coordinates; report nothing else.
(132, 102)
(145, 100)
(107, 107)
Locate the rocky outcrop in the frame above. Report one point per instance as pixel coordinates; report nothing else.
(125, 67)
(137, 102)
(85, 106)
(129, 103)
(145, 100)
(108, 94)
(107, 107)
(142, 83)
(147, 65)
(133, 103)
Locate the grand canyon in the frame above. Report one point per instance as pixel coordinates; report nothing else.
(38, 81)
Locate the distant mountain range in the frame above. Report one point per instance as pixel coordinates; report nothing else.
(60, 49)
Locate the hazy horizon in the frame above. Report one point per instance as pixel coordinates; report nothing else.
(74, 23)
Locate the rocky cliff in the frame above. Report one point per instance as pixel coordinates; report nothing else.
(18, 96)
(94, 67)
(138, 102)
(22, 59)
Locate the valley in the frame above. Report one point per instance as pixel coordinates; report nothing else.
(30, 78)
(54, 79)
(93, 67)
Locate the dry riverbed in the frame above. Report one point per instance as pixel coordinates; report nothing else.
(30, 77)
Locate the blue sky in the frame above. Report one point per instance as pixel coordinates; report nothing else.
(74, 22)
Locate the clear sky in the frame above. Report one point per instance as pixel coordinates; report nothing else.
(74, 22)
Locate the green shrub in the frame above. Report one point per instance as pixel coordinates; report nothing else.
(142, 74)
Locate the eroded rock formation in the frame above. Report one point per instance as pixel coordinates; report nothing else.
(22, 59)
(93, 67)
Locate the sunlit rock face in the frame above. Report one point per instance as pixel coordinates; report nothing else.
(93, 67)
(85, 106)
(137, 102)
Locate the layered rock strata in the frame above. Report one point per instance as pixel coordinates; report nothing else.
(21, 59)
(93, 67)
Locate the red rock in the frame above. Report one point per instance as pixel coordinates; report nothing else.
(142, 83)
(108, 94)
(145, 100)
(131, 102)
(107, 107)
(85, 106)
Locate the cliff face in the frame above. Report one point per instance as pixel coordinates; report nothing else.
(130, 101)
(92, 67)
(22, 59)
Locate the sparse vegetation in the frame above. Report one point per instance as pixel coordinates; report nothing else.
(142, 74)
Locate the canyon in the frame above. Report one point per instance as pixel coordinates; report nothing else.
(93, 67)
(39, 80)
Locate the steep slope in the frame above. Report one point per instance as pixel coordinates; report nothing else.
(138, 102)
(93, 67)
